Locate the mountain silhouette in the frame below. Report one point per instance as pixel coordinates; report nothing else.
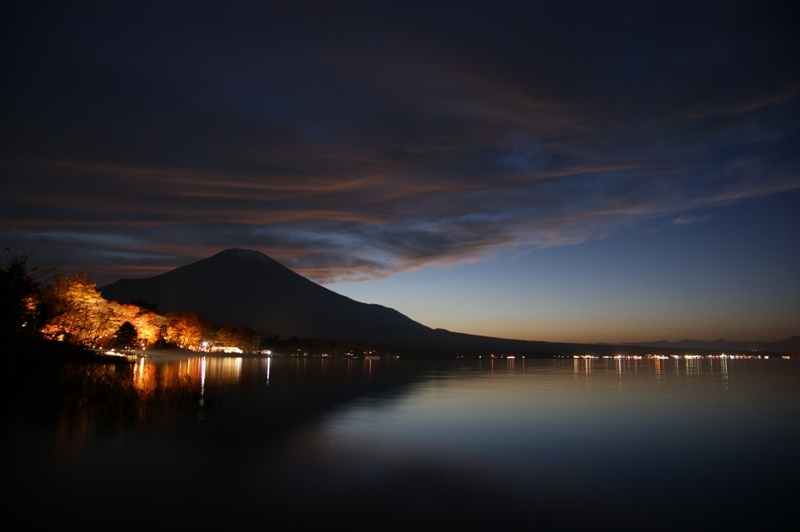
(241, 287)
(247, 288)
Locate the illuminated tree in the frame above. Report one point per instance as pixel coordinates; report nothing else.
(244, 338)
(81, 314)
(149, 325)
(227, 336)
(187, 330)
(119, 314)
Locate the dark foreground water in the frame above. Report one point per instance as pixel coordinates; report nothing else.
(298, 444)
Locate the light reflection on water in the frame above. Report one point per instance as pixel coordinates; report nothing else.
(385, 443)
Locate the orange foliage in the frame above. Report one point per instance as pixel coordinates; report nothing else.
(187, 330)
(149, 325)
(81, 313)
(244, 338)
(82, 316)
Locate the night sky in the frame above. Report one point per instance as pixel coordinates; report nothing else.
(561, 171)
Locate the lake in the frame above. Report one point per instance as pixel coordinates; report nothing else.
(305, 443)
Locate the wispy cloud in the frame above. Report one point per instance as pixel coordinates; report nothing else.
(401, 146)
(687, 219)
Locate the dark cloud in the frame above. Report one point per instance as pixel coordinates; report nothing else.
(356, 140)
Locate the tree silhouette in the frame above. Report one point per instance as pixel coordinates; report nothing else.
(126, 336)
(22, 313)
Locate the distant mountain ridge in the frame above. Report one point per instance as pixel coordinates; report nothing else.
(243, 287)
(790, 345)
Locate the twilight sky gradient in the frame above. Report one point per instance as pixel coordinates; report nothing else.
(563, 171)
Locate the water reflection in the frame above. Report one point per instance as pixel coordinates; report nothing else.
(369, 444)
(657, 365)
(631, 371)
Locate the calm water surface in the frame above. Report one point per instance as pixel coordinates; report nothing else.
(395, 444)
